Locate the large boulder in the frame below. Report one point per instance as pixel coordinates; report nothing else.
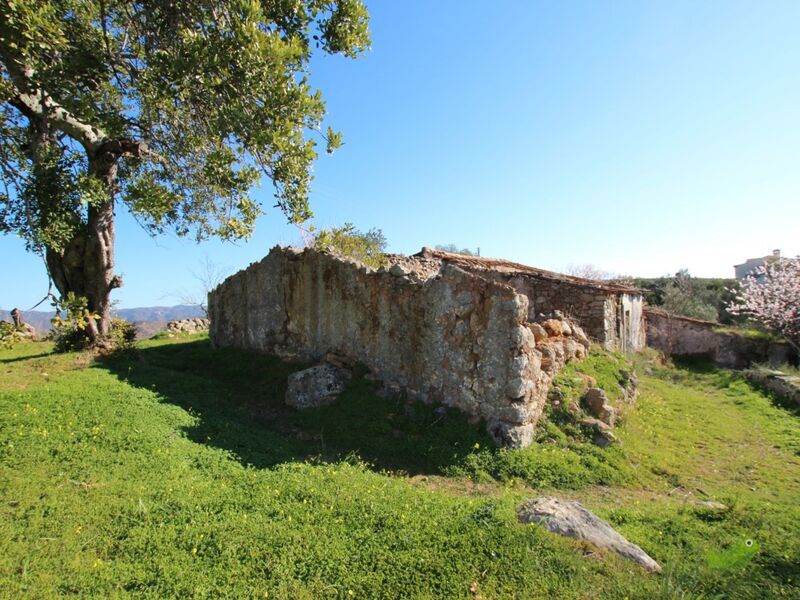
(571, 519)
(316, 386)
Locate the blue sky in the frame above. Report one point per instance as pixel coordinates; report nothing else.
(640, 137)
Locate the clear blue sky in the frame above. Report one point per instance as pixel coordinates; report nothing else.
(641, 137)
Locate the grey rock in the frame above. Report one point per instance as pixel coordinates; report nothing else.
(580, 335)
(710, 504)
(602, 434)
(518, 387)
(510, 435)
(571, 519)
(398, 270)
(598, 405)
(316, 386)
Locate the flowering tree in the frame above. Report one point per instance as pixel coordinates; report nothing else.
(771, 296)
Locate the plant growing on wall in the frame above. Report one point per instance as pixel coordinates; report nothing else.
(771, 296)
(171, 109)
(366, 247)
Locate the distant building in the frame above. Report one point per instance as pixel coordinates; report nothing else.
(751, 264)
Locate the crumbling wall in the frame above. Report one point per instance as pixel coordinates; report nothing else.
(610, 314)
(446, 336)
(675, 335)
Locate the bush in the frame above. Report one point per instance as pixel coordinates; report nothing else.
(123, 334)
(7, 332)
(69, 330)
(346, 240)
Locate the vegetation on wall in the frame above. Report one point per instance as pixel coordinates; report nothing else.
(367, 247)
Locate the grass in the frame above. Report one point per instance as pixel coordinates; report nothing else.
(178, 472)
(751, 333)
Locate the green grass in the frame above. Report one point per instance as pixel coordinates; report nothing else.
(178, 472)
(750, 332)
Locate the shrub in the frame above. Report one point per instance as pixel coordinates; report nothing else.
(69, 330)
(123, 334)
(7, 332)
(346, 240)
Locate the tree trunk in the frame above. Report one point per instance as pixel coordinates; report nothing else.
(86, 265)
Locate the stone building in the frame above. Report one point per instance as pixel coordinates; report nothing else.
(485, 336)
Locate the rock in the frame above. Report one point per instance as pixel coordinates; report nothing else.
(598, 405)
(580, 335)
(594, 424)
(338, 361)
(538, 331)
(509, 435)
(518, 387)
(398, 270)
(553, 327)
(710, 504)
(602, 434)
(389, 391)
(565, 328)
(316, 386)
(604, 438)
(571, 519)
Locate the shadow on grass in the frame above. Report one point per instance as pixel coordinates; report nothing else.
(699, 363)
(25, 357)
(237, 397)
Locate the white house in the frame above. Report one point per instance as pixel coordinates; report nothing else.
(751, 264)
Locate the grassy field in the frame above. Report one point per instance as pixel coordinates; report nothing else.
(177, 472)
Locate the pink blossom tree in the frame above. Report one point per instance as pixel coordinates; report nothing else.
(771, 296)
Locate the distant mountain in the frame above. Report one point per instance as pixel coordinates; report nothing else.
(150, 315)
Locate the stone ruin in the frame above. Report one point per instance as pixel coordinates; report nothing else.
(187, 326)
(485, 336)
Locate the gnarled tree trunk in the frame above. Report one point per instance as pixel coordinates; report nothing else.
(86, 265)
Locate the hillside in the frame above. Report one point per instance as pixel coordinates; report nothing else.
(178, 472)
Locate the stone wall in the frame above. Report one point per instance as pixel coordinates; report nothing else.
(783, 385)
(675, 335)
(434, 329)
(611, 314)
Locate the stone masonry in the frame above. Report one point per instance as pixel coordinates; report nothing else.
(676, 335)
(435, 325)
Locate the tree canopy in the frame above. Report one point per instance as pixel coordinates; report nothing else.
(175, 108)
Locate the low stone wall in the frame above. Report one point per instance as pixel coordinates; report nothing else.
(675, 335)
(442, 334)
(781, 384)
(196, 325)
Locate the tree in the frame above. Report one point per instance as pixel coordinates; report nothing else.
(685, 295)
(771, 296)
(173, 109)
(589, 271)
(207, 276)
(455, 250)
